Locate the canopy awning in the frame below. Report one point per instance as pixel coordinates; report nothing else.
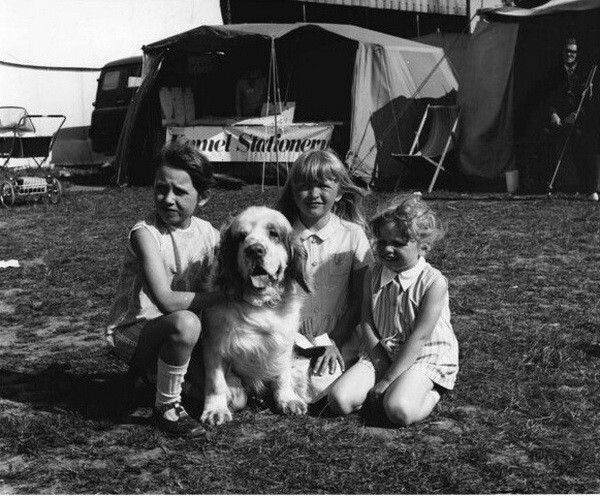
(449, 7)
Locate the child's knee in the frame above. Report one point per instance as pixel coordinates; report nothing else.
(400, 412)
(341, 404)
(186, 328)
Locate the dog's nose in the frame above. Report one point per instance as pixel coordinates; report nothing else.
(255, 250)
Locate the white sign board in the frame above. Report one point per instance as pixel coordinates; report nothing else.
(254, 143)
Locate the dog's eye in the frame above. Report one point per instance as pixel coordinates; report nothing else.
(274, 234)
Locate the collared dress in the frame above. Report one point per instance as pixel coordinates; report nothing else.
(334, 252)
(439, 358)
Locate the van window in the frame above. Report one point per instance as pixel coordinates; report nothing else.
(111, 81)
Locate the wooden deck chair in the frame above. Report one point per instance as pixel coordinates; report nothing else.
(441, 122)
(21, 138)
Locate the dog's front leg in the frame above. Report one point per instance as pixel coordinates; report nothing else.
(215, 411)
(286, 398)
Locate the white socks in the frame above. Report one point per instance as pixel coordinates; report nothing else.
(169, 379)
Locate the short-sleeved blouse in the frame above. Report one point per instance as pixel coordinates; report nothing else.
(334, 252)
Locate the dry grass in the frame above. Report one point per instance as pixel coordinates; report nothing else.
(524, 281)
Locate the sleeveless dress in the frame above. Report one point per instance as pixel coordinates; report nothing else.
(439, 358)
(187, 255)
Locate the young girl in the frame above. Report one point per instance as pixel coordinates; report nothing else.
(405, 326)
(325, 208)
(154, 319)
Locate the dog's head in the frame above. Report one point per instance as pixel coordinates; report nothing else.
(259, 257)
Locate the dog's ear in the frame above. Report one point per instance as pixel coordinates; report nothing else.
(297, 265)
(227, 274)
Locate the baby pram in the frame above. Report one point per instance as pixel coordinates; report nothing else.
(21, 138)
(24, 135)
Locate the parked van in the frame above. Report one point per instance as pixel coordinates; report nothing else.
(117, 84)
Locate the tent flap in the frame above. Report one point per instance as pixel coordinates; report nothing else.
(485, 97)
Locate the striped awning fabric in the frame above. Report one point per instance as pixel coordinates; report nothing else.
(450, 7)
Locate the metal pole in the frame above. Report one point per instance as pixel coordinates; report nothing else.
(228, 13)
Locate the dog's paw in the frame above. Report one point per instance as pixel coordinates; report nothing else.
(216, 417)
(293, 407)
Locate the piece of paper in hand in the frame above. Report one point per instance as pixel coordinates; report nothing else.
(304, 343)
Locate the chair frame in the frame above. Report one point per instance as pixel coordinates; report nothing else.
(24, 130)
(450, 140)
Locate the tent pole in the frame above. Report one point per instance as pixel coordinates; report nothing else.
(228, 12)
(277, 106)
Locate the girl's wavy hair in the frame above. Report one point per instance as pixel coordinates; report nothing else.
(316, 166)
(415, 220)
(182, 156)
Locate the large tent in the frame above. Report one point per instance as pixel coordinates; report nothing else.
(506, 79)
(51, 53)
(366, 80)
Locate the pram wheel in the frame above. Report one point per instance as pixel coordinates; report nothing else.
(7, 194)
(54, 191)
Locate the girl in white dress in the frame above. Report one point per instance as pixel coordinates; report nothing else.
(411, 352)
(325, 209)
(155, 319)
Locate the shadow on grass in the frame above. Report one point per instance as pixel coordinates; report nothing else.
(95, 396)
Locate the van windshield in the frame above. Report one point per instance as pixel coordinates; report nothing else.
(113, 90)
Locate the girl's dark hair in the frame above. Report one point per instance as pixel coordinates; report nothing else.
(183, 156)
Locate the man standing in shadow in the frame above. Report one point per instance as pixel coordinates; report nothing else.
(574, 116)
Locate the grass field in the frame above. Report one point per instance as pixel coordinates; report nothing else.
(524, 280)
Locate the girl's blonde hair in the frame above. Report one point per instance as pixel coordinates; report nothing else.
(415, 220)
(316, 166)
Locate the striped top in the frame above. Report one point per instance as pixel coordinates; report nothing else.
(395, 302)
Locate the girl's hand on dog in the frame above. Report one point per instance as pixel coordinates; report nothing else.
(328, 361)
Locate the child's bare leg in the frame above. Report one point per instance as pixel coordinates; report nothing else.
(171, 337)
(349, 392)
(410, 398)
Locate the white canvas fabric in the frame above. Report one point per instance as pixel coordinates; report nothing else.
(51, 53)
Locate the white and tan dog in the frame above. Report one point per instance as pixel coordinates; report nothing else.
(252, 333)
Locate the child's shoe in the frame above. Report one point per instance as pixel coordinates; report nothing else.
(173, 419)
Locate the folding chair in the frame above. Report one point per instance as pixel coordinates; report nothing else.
(442, 122)
(20, 138)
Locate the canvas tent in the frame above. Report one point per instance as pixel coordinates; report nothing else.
(355, 76)
(454, 46)
(51, 53)
(505, 81)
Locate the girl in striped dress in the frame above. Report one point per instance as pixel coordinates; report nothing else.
(411, 352)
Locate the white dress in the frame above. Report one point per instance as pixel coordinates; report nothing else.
(187, 256)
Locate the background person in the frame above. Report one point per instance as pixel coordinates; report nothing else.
(250, 93)
(570, 83)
